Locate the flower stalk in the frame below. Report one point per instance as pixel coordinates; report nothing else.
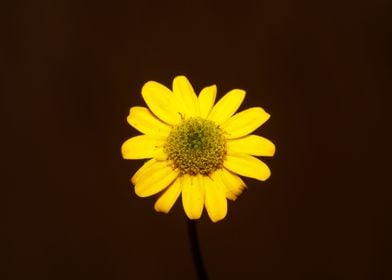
(195, 249)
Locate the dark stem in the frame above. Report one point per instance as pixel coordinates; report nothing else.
(197, 258)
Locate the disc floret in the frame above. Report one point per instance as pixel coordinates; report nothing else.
(196, 146)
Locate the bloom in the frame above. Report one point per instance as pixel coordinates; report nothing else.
(195, 149)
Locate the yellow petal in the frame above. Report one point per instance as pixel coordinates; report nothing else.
(156, 181)
(143, 120)
(166, 201)
(150, 167)
(193, 196)
(206, 100)
(147, 168)
(226, 106)
(161, 155)
(185, 93)
(215, 199)
(252, 144)
(160, 100)
(247, 166)
(233, 183)
(142, 146)
(245, 122)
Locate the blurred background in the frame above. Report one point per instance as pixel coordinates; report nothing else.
(70, 71)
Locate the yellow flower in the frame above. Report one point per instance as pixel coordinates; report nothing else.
(196, 149)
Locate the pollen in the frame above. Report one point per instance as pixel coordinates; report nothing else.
(196, 146)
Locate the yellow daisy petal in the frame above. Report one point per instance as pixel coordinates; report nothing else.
(233, 183)
(245, 122)
(247, 166)
(226, 106)
(193, 196)
(215, 199)
(142, 146)
(147, 168)
(252, 144)
(156, 181)
(160, 100)
(143, 120)
(166, 201)
(206, 100)
(185, 93)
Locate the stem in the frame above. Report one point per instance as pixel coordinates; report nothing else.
(196, 254)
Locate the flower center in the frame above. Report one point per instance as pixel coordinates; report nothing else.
(196, 146)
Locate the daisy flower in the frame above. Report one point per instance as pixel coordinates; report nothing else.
(195, 149)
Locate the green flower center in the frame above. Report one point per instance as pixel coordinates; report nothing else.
(196, 146)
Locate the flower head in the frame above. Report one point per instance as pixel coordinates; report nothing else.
(195, 149)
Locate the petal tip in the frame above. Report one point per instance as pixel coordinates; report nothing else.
(273, 149)
(213, 87)
(216, 219)
(139, 192)
(180, 77)
(160, 209)
(193, 216)
(263, 113)
(265, 177)
(124, 150)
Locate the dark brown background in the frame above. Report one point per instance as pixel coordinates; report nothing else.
(70, 70)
